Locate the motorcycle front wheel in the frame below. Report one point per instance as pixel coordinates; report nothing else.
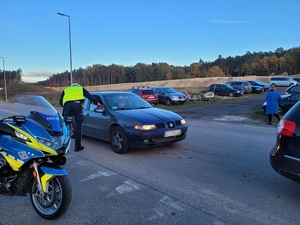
(56, 202)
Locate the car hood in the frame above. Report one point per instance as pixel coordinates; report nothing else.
(256, 86)
(149, 115)
(178, 94)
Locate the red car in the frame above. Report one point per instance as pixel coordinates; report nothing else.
(146, 93)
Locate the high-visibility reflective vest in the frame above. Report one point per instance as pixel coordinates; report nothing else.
(73, 93)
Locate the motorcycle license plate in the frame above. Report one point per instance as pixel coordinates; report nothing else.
(172, 133)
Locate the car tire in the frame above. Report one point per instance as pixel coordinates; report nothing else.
(168, 102)
(280, 111)
(230, 94)
(118, 140)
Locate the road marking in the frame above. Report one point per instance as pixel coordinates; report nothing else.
(83, 163)
(165, 206)
(106, 173)
(128, 186)
(169, 202)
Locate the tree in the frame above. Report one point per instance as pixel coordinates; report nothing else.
(215, 71)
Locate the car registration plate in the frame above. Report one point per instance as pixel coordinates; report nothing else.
(172, 133)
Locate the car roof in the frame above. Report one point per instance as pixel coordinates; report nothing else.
(141, 88)
(111, 92)
(160, 86)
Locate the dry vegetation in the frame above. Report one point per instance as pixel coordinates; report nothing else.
(194, 85)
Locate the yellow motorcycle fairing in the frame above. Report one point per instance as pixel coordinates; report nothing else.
(33, 143)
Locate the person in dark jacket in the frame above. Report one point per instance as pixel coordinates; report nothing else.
(71, 100)
(272, 99)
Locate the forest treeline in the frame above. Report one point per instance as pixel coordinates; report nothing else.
(284, 62)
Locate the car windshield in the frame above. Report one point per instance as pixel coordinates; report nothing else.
(126, 101)
(229, 86)
(148, 92)
(258, 82)
(169, 90)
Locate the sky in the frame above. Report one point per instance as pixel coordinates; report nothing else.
(34, 38)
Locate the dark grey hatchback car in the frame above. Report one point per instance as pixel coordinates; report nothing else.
(285, 155)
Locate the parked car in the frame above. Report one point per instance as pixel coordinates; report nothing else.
(287, 102)
(265, 86)
(283, 81)
(292, 89)
(146, 93)
(297, 79)
(135, 124)
(285, 155)
(245, 85)
(169, 96)
(224, 90)
(256, 89)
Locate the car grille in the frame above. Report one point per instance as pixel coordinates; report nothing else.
(170, 124)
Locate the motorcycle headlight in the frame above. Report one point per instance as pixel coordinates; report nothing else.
(50, 144)
(21, 136)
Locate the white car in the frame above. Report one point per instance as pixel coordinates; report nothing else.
(283, 81)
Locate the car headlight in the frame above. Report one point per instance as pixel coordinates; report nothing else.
(175, 98)
(182, 121)
(145, 127)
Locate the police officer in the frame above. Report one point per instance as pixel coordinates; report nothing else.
(71, 100)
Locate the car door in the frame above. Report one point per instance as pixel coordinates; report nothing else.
(95, 124)
(224, 90)
(292, 101)
(161, 95)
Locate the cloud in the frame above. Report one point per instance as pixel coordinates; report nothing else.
(39, 73)
(34, 76)
(229, 21)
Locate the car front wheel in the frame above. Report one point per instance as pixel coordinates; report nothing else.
(168, 102)
(118, 140)
(230, 94)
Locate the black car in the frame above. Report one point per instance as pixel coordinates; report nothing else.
(287, 102)
(224, 90)
(265, 86)
(244, 85)
(292, 89)
(285, 155)
(256, 89)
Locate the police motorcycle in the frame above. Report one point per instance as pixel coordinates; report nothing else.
(32, 152)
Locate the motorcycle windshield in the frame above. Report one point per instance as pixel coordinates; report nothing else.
(28, 103)
(35, 104)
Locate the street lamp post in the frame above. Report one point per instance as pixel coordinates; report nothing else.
(71, 75)
(5, 90)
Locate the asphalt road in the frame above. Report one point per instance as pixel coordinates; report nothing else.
(219, 175)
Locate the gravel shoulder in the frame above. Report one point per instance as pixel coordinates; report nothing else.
(238, 111)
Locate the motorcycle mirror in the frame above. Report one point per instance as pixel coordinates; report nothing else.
(19, 120)
(68, 119)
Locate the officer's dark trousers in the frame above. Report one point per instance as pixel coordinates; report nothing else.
(75, 109)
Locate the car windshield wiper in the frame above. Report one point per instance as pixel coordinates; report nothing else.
(123, 108)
